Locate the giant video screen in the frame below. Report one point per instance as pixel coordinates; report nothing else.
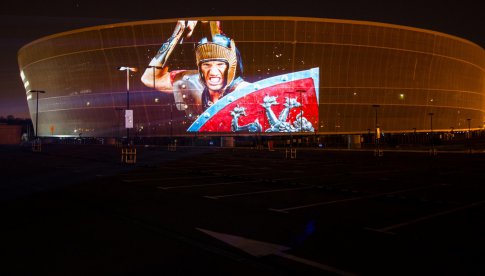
(203, 68)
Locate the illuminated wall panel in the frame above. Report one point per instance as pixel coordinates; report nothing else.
(408, 72)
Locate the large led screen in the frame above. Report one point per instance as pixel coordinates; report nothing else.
(217, 98)
(247, 75)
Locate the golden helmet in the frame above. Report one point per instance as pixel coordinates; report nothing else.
(220, 48)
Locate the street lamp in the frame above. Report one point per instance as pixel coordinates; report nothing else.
(128, 111)
(180, 106)
(119, 125)
(259, 144)
(431, 122)
(376, 106)
(291, 133)
(469, 136)
(431, 132)
(37, 110)
(154, 74)
(414, 136)
(301, 108)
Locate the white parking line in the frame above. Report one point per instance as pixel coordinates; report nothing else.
(203, 185)
(284, 178)
(259, 192)
(254, 173)
(241, 170)
(206, 165)
(166, 178)
(285, 210)
(399, 225)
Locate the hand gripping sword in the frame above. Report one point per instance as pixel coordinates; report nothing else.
(160, 60)
(181, 30)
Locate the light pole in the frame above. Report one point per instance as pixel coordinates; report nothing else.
(119, 123)
(431, 132)
(128, 70)
(376, 106)
(469, 136)
(37, 110)
(301, 113)
(291, 133)
(171, 117)
(301, 108)
(259, 144)
(414, 136)
(180, 106)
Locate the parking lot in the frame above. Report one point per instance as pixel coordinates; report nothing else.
(75, 210)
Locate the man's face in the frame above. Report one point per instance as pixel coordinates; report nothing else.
(213, 72)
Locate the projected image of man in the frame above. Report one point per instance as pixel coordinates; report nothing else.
(219, 70)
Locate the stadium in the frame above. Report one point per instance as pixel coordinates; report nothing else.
(362, 76)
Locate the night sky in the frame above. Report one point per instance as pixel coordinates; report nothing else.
(24, 21)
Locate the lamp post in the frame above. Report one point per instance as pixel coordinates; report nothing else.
(301, 107)
(469, 136)
(414, 136)
(171, 117)
(291, 133)
(431, 132)
(128, 70)
(376, 106)
(119, 124)
(368, 136)
(259, 144)
(37, 110)
(180, 106)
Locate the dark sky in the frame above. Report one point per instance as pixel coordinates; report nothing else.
(24, 21)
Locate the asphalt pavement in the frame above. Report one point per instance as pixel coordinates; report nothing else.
(77, 210)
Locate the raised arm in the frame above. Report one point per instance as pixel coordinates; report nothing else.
(157, 75)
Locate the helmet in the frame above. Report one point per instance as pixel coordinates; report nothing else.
(220, 48)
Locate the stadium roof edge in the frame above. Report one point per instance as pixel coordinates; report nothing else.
(281, 18)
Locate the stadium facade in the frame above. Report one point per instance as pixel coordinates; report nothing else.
(401, 79)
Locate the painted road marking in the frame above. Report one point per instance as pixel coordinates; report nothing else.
(387, 229)
(259, 192)
(167, 178)
(260, 249)
(244, 174)
(285, 210)
(203, 185)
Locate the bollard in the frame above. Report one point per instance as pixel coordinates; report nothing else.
(291, 152)
(378, 153)
(36, 145)
(172, 147)
(128, 155)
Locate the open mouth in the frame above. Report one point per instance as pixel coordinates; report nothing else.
(214, 80)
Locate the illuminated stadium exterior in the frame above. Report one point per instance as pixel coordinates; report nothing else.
(366, 72)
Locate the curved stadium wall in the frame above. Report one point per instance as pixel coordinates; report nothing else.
(408, 72)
